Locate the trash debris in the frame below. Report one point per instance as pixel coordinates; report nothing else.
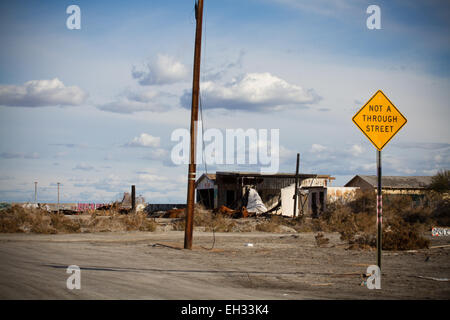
(175, 213)
(248, 244)
(255, 203)
(236, 214)
(4, 206)
(126, 201)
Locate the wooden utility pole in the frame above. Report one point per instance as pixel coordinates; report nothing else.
(296, 185)
(194, 117)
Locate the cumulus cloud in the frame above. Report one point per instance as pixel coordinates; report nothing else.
(39, 93)
(253, 91)
(164, 70)
(315, 148)
(144, 140)
(131, 102)
(356, 150)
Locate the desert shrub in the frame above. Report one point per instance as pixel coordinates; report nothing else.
(63, 224)
(441, 212)
(403, 223)
(364, 201)
(341, 219)
(137, 222)
(400, 236)
(19, 219)
(207, 219)
(441, 181)
(397, 204)
(419, 215)
(221, 224)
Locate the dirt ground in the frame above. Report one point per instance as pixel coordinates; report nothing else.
(151, 265)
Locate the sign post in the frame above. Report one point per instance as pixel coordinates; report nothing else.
(379, 120)
(379, 210)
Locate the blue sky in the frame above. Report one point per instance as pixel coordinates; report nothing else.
(108, 96)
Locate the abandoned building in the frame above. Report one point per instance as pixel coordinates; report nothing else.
(275, 190)
(411, 185)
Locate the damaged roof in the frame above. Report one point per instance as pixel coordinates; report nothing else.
(396, 182)
(276, 175)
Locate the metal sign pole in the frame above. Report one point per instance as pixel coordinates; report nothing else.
(58, 197)
(35, 192)
(296, 185)
(379, 210)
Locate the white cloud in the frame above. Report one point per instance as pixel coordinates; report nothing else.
(17, 155)
(253, 91)
(84, 167)
(157, 154)
(356, 150)
(407, 171)
(144, 140)
(335, 8)
(39, 93)
(369, 167)
(430, 172)
(151, 178)
(315, 148)
(164, 70)
(130, 102)
(287, 155)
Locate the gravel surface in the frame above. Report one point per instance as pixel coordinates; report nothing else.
(153, 265)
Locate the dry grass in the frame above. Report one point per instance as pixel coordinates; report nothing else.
(400, 236)
(403, 223)
(18, 219)
(207, 219)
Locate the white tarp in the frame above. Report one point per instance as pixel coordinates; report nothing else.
(255, 203)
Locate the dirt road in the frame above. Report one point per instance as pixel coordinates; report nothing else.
(148, 265)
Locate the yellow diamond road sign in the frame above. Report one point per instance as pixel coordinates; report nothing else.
(379, 120)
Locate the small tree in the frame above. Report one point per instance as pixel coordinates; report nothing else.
(441, 181)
